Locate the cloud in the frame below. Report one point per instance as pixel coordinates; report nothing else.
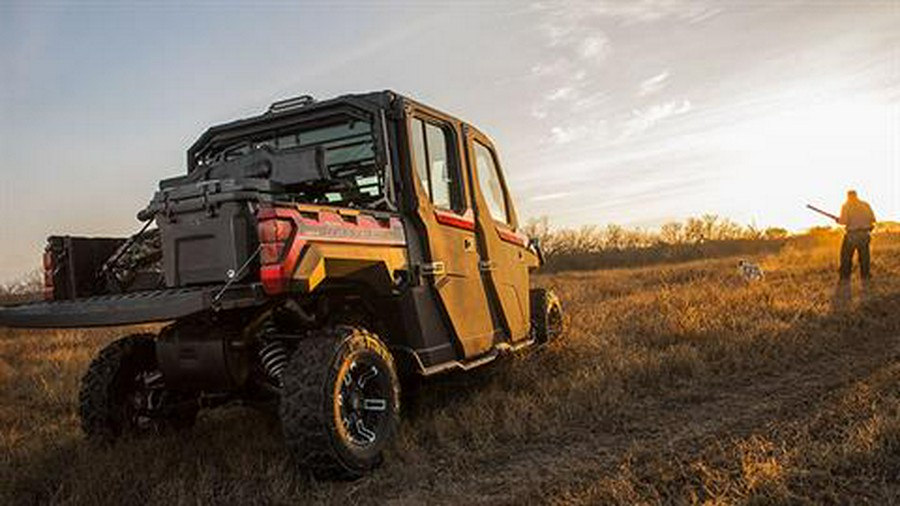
(592, 101)
(649, 11)
(596, 130)
(577, 103)
(593, 129)
(576, 50)
(643, 120)
(564, 93)
(550, 196)
(628, 12)
(556, 67)
(567, 30)
(553, 99)
(654, 84)
(594, 47)
(563, 135)
(538, 111)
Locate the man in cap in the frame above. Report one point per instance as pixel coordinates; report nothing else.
(858, 219)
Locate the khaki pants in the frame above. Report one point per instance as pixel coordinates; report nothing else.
(855, 241)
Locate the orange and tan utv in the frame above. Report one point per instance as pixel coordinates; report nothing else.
(310, 258)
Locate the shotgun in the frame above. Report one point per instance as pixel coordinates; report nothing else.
(825, 213)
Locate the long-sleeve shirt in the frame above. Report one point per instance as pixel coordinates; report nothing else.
(857, 215)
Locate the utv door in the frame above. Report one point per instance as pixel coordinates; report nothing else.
(505, 268)
(452, 249)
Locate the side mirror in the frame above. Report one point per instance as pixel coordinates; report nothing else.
(534, 244)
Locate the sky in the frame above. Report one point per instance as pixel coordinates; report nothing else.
(628, 112)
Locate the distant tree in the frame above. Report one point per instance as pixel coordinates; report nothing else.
(709, 226)
(614, 236)
(694, 230)
(727, 230)
(536, 227)
(539, 228)
(30, 282)
(821, 231)
(772, 233)
(671, 232)
(635, 239)
(887, 226)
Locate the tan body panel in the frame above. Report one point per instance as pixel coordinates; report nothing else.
(508, 259)
(459, 287)
(452, 245)
(376, 265)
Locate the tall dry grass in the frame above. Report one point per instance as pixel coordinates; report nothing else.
(675, 384)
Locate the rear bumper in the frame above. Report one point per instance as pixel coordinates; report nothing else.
(137, 307)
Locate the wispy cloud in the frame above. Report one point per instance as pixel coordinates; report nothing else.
(551, 196)
(595, 46)
(578, 50)
(643, 120)
(654, 84)
(550, 68)
(539, 111)
(592, 100)
(630, 12)
(563, 93)
(580, 101)
(647, 11)
(596, 131)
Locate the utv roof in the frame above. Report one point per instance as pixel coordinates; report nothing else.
(286, 112)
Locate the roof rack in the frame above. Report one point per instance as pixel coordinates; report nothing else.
(290, 103)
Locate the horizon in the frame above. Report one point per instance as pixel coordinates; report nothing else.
(646, 112)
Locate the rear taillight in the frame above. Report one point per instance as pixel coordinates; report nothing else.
(274, 230)
(49, 271)
(270, 253)
(274, 234)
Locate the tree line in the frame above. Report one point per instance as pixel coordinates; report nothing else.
(598, 239)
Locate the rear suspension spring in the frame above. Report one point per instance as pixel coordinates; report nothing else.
(273, 357)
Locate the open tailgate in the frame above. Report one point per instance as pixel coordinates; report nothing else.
(131, 308)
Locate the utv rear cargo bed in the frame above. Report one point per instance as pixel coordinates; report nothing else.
(130, 308)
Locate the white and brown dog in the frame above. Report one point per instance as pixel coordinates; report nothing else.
(750, 272)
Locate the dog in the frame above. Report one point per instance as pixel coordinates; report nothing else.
(750, 272)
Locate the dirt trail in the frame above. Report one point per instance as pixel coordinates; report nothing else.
(682, 423)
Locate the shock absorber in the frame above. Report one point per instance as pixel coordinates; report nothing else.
(274, 356)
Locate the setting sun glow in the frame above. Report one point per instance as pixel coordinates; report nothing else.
(813, 150)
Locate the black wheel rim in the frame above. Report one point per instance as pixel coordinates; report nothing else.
(363, 401)
(142, 399)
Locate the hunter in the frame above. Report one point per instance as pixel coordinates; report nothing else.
(858, 219)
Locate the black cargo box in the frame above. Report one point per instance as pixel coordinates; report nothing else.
(208, 230)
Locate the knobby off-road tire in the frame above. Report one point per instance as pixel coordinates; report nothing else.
(546, 316)
(122, 394)
(340, 402)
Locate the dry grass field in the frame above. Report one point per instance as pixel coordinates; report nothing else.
(676, 384)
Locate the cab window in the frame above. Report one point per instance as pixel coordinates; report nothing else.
(435, 163)
(489, 181)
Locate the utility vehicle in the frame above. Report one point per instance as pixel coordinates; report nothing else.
(311, 257)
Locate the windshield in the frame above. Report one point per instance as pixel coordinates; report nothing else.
(349, 159)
